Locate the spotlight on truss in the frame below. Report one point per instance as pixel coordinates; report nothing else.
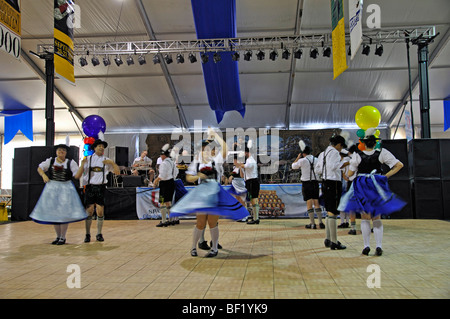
(118, 60)
(180, 58)
(326, 52)
(235, 56)
(95, 61)
(273, 55)
(314, 53)
(379, 50)
(192, 58)
(217, 57)
(106, 61)
(298, 53)
(168, 58)
(366, 49)
(130, 60)
(260, 55)
(156, 59)
(248, 55)
(142, 60)
(83, 61)
(286, 54)
(204, 58)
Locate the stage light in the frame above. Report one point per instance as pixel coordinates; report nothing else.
(366, 49)
(142, 60)
(379, 50)
(118, 60)
(204, 57)
(180, 58)
(95, 61)
(106, 61)
(192, 58)
(217, 57)
(235, 56)
(298, 53)
(83, 61)
(314, 53)
(248, 55)
(326, 52)
(273, 55)
(156, 59)
(168, 58)
(260, 55)
(349, 52)
(285, 55)
(130, 60)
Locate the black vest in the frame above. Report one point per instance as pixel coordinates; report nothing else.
(60, 173)
(369, 163)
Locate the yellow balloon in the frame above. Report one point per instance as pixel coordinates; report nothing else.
(377, 133)
(367, 117)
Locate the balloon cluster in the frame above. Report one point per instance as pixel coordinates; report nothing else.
(367, 117)
(92, 126)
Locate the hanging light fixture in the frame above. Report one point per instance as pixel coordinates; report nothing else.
(192, 57)
(235, 56)
(142, 60)
(273, 55)
(260, 55)
(180, 58)
(248, 55)
(314, 53)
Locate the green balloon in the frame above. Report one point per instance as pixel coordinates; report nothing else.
(361, 133)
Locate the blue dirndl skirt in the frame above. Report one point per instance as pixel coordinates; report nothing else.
(211, 199)
(370, 194)
(59, 203)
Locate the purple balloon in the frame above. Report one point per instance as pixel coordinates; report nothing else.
(92, 125)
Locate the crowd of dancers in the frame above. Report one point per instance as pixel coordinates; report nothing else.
(366, 191)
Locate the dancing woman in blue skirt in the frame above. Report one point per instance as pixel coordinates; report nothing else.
(208, 201)
(59, 203)
(369, 194)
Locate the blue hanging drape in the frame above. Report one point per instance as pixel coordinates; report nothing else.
(18, 117)
(217, 19)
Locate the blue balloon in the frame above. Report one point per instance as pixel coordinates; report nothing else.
(92, 125)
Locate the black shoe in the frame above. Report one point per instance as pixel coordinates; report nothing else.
(311, 226)
(322, 226)
(212, 253)
(341, 225)
(55, 241)
(218, 245)
(366, 251)
(99, 237)
(204, 245)
(61, 241)
(253, 222)
(161, 224)
(337, 246)
(378, 251)
(194, 252)
(87, 238)
(327, 243)
(177, 221)
(352, 232)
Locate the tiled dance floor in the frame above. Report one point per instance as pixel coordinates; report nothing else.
(278, 259)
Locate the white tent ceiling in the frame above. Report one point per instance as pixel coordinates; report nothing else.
(139, 98)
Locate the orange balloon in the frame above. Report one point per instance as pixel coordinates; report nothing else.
(361, 146)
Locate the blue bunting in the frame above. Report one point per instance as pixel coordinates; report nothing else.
(217, 19)
(446, 114)
(17, 117)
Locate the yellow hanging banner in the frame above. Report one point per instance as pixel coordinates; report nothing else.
(64, 11)
(338, 38)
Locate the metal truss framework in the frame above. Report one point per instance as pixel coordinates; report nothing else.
(379, 36)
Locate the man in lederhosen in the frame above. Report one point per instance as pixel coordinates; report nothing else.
(95, 169)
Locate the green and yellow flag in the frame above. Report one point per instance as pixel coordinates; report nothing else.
(63, 43)
(338, 37)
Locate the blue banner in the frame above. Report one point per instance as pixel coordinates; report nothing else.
(217, 19)
(446, 114)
